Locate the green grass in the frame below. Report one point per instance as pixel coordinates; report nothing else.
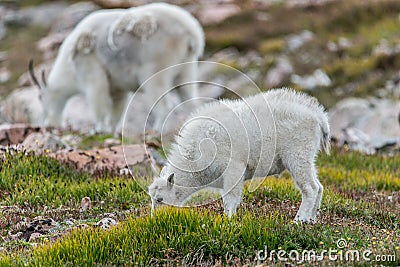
(355, 207)
(43, 181)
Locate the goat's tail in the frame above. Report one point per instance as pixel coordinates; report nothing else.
(326, 135)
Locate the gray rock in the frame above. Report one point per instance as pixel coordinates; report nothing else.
(346, 113)
(106, 223)
(279, 72)
(5, 75)
(71, 140)
(42, 15)
(111, 142)
(23, 106)
(43, 142)
(366, 125)
(318, 79)
(35, 237)
(296, 41)
(25, 79)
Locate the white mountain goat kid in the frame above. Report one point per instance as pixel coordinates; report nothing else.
(112, 52)
(227, 142)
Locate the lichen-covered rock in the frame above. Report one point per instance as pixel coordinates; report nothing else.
(40, 225)
(34, 237)
(110, 159)
(106, 223)
(40, 142)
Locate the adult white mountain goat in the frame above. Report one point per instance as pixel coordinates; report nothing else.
(230, 141)
(111, 52)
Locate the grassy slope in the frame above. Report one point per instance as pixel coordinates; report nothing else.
(356, 206)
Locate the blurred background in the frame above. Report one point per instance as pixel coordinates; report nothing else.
(344, 52)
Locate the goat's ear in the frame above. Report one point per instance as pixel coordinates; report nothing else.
(170, 180)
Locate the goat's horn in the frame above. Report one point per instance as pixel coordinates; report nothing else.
(32, 74)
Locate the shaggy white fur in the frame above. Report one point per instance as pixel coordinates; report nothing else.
(227, 142)
(112, 52)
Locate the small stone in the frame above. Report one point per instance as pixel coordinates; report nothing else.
(318, 79)
(5, 75)
(296, 41)
(86, 204)
(3, 55)
(279, 73)
(111, 142)
(43, 142)
(106, 223)
(35, 237)
(15, 236)
(213, 12)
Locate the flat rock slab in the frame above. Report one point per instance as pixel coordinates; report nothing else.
(111, 159)
(12, 134)
(366, 125)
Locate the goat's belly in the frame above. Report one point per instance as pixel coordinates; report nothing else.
(124, 80)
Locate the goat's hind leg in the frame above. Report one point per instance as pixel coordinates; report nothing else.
(119, 99)
(99, 99)
(93, 80)
(304, 176)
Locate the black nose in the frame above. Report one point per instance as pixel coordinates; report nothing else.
(159, 200)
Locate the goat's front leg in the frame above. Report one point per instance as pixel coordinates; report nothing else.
(311, 190)
(233, 180)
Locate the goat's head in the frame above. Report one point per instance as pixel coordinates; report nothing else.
(163, 190)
